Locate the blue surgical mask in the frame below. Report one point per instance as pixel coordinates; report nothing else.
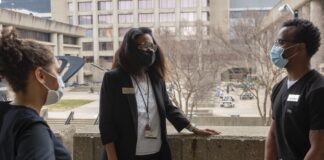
(277, 58)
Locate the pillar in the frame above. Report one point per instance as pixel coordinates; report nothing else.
(316, 16)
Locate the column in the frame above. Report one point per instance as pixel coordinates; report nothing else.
(316, 16)
(54, 41)
(60, 47)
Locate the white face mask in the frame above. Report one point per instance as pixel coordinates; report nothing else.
(53, 96)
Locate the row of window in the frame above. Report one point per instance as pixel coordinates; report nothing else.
(171, 30)
(142, 4)
(142, 18)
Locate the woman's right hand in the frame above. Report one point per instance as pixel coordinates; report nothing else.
(111, 151)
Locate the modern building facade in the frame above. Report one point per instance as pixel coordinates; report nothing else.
(106, 21)
(61, 39)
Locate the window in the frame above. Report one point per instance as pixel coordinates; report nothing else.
(71, 8)
(89, 59)
(104, 46)
(125, 18)
(204, 3)
(146, 17)
(70, 19)
(167, 30)
(89, 33)
(106, 32)
(205, 30)
(122, 31)
(188, 31)
(84, 6)
(188, 16)
(125, 4)
(145, 4)
(167, 17)
(105, 5)
(105, 19)
(167, 3)
(87, 46)
(27, 34)
(85, 19)
(205, 16)
(188, 3)
(69, 40)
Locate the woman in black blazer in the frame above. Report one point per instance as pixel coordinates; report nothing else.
(134, 103)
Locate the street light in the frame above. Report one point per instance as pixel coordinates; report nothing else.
(287, 8)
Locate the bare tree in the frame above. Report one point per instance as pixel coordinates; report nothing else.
(193, 64)
(249, 40)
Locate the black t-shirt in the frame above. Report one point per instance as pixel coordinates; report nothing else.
(296, 111)
(24, 135)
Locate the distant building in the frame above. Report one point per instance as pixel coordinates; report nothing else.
(62, 39)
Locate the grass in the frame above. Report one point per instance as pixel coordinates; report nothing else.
(69, 104)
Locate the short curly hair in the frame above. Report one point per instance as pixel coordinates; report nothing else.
(306, 32)
(19, 57)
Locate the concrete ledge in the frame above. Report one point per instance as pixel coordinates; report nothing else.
(235, 143)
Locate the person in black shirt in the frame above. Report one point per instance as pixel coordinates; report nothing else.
(297, 129)
(32, 72)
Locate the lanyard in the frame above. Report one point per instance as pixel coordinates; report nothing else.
(148, 96)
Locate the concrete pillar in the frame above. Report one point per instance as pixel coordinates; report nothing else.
(305, 12)
(55, 42)
(95, 32)
(316, 16)
(80, 78)
(135, 14)
(219, 15)
(60, 47)
(115, 25)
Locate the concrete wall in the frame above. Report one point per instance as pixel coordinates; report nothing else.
(235, 143)
(228, 121)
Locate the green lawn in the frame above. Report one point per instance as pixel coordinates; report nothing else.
(69, 104)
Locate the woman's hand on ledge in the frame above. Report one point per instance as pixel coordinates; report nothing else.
(205, 132)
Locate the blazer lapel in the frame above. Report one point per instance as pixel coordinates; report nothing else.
(127, 82)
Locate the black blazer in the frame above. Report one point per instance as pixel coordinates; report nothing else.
(118, 114)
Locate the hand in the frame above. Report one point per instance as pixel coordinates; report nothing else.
(205, 132)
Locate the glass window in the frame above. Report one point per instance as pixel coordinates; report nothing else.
(167, 17)
(188, 31)
(204, 3)
(122, 31)
(167, 30)
(205, 16)
(106, 32)
(167, 3)
(145, 4)
(205, 30)
(70, 19)
(71, 8)
(27, 34)
(105, 5)
(188, 16)
(105, 19)
(146, 17)
(89, 33)
(104, 46)
(125, 18)
(125, 4)
(87, 46)
(188, 3)
(85, 19)
(84, 6)
(69, 40)
(89, 59)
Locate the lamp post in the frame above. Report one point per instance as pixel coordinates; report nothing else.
(287, 8)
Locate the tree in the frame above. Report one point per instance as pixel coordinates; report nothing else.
(193, 64)
(252, 42)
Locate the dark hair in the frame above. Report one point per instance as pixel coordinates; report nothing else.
(125, 56)
(19, 57)
(306, 33)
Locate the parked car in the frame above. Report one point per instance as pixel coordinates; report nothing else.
(228, 98)
(227, 104)
(246, 96)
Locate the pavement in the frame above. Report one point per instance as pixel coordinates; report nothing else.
(244, 108)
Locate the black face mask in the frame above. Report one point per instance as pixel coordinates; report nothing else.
(146, 58)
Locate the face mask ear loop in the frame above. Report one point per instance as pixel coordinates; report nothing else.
(288, 58)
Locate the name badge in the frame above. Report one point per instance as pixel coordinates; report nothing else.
(126, 90)
(293, 98)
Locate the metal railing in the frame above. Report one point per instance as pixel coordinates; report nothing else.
(70, 118)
